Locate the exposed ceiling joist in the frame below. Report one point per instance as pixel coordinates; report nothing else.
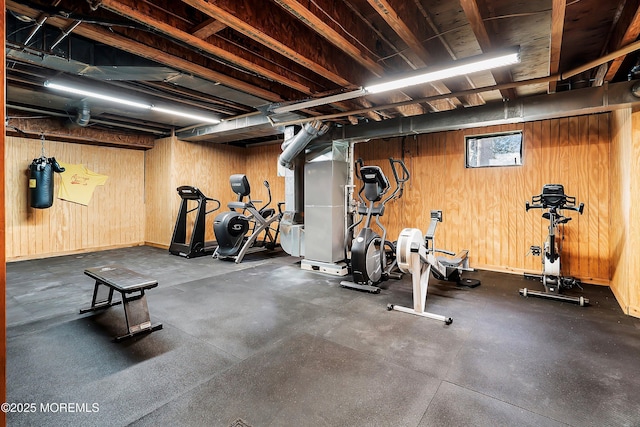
(233, 58)
(128, 9)
(472, 11)
(625, 31)
(208, 28)
(332, 28)
(558, 8)
(96, 33)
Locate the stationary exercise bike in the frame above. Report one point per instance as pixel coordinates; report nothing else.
(245, 228)
(417, 255)
(372, 256)
(554, 201)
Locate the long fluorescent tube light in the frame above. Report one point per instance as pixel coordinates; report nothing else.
(77, 91)
(461, 67)
(186, 115)
(455, 71)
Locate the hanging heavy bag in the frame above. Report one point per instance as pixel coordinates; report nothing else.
(41, 181)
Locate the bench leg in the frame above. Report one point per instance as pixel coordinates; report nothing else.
(136, 313)
(102, 298)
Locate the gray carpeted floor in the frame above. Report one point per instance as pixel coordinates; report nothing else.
(264, 343)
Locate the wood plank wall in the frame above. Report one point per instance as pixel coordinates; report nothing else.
(159, 193)
(634, 218)
(138, 204)
(114, 218)
(625, 209)
(262, 164)
(172, 163)
(484, 208)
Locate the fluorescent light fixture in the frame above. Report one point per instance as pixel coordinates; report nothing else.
(77, 91)
(199, 118)
(143, 106)
(474, 66)
(460, 68)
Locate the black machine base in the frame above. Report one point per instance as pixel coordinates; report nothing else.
(353, 285)
(188, 251)
(469, 283)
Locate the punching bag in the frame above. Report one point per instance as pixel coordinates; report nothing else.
(41, 181)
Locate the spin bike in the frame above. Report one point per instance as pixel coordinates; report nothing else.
(554, 201)
(369, 256)
(417, 255)
(238, 231)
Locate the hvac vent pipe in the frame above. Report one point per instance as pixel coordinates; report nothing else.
(295, 145)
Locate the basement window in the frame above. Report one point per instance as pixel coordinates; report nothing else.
(498, 149)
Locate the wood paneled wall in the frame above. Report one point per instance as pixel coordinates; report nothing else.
(172, 163)
(114, 218)
(625, 209)
(159, 193)
(484, 208)
(262, 164)
(139, 202)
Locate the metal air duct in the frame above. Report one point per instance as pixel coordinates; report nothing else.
(295, 145)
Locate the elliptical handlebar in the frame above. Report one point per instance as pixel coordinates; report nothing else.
(209, 199)
(357, 165)
(400, 180)
(266, 184)
(405, 172)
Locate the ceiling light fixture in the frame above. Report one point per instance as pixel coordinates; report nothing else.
(143, 106)
(89, 94)
(197, 117)
(459, 68)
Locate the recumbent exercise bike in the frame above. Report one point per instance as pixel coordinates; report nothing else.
(417, 255)
(245, 228)
(554, 201)
(372, 256)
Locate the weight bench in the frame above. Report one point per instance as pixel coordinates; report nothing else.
(131, 286)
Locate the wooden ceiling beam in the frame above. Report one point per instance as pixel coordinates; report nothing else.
(128, 9)
(59, 130)
(281, 32)
(325, 19)
(625, 31)
(558, 9)
(101, 35)
(332, 28)
(404, 18)
(208, 28)
(472, 11)
(463, 83)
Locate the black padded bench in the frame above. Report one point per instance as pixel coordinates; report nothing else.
(131, 286)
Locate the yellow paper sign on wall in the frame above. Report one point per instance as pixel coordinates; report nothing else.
(78, 183)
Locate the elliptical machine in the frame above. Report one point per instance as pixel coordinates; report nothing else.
(554, 201)
(238, 230)
(372, 256)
